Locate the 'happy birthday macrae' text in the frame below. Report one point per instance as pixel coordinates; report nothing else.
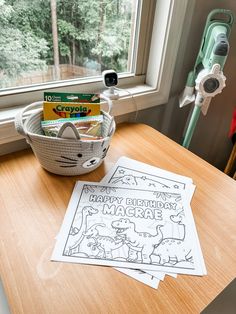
(138, 208)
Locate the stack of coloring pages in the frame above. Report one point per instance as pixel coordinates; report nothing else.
(138, 219)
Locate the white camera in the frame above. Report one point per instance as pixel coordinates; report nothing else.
(110, 78)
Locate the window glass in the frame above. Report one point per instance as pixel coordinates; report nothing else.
(50, 40)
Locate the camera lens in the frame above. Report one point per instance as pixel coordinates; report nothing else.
(111, 80)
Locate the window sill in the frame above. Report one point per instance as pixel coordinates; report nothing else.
(131, 99)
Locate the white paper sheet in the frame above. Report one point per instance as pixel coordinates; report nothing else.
(141, 276)
(128, 172)
(129, 228)
(132, 173)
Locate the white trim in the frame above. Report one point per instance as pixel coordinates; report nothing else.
(162, 61)
(167, 29)
(142, 48)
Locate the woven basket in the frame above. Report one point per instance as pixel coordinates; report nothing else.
(67, 157)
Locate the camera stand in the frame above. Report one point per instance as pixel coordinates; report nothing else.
(111, 93)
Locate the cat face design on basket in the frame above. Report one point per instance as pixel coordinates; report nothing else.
(80, 161)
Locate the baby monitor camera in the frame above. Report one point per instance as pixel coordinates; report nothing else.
(110, 78)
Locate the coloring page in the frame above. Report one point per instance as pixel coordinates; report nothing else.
(160, 275)
(120, 227)
(141, 276)
(129, 172)
(132, 173)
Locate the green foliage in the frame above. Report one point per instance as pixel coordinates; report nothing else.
(19, 51)
(93, 33)
(6, 11)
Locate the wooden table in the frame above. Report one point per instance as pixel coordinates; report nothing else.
(32, 206)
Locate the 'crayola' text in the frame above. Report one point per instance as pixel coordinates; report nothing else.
(71, 109)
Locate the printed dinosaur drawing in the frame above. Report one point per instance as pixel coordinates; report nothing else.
(126, 179)
(175, 228)
(105, 244)
(129, 179)
(88, 245)
(142, 242)
(172, 251)
(178, 218)
(78, 237)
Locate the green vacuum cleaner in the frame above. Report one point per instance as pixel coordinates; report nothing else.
(207, 79)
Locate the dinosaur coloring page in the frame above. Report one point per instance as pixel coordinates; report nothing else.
(141, 276)
(126, 227)
(130, 172)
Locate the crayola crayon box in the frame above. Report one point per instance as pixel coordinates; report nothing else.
(58, 110)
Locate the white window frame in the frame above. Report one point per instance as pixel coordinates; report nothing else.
(156, 59)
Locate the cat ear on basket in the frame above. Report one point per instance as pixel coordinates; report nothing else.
(68, 131)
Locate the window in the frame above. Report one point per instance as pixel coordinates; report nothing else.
(145, 68)
(44, 41)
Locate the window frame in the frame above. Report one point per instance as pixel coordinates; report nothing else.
(156, 54)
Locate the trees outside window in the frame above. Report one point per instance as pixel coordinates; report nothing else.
(45, 40)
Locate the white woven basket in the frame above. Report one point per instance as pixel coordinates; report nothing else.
(67, 157)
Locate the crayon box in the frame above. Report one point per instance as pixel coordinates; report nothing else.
(58, 110)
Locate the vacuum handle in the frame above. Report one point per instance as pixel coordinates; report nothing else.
(214, 15)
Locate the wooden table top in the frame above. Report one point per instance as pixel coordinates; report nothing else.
(33, 203)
